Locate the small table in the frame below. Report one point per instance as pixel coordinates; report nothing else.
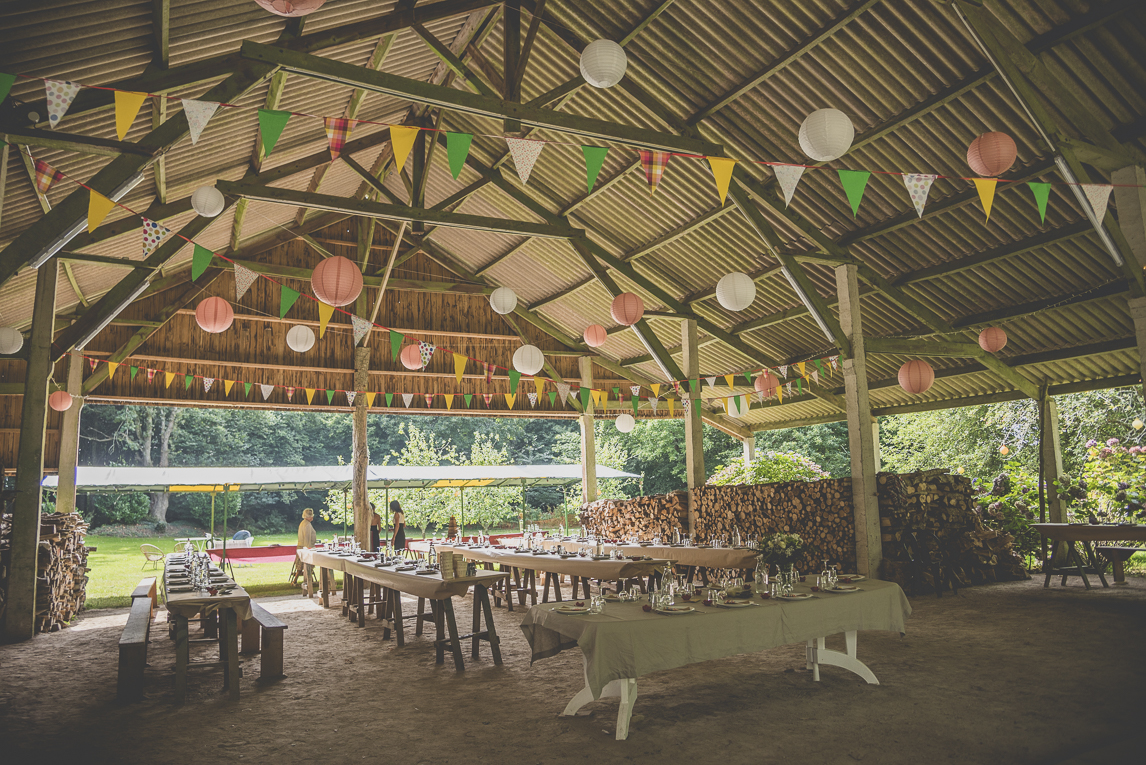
(1084, 534)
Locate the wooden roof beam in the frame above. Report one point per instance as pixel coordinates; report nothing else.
(454, 62)
(161, 31)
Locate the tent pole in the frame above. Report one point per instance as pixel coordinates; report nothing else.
(389, 516)
(462, 527)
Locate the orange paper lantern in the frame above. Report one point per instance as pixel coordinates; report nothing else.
(916, 376)
(627, 309)
(766, 383)
(336, 281)
(214, 315)
(61, 401)
(991, 154)
(992, 339)
(595, 336)
(411, 357)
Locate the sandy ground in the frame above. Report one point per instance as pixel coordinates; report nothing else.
(1007, 673)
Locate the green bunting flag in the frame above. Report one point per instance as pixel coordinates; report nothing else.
(458, 148)
(286, 301)
(514, 376)
(635, 404)
(799, 385)
(247, 388)
(187, 381)
(1041, 192)
(748, 377)
(854, 182)
(594, 158)
(584, 393)
(469, 397)
(396, 339)
(200, 259)
(271, 124)
(692, 385)
(617, 393)
(6, 81)
(553, 398)
(134, 372)
(329, 397)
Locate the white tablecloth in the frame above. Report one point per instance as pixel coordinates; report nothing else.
(710, 557)
(606, 570)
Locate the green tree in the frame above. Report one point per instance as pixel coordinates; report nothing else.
(489, 506)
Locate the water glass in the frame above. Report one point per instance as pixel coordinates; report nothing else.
(597, 604)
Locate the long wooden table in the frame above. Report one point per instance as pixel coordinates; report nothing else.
(691, 557)
(1084, 534)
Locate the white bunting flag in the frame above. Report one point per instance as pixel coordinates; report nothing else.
(525, 154)
(266, 390)
(918, 187)
(784, 370)
(199, 113)
(207, 383)
(407, 398)
(653, 403)
(1098, 194)
(563, 392)
(760, 396)
(711, 381)
(361, 328)
(427, 352)
(636, 389)
(815, 377)
(244, 278)
(788, 176)
(60, 94)
(153, 234)
(350, 397)
(532, 399)
(835, 361)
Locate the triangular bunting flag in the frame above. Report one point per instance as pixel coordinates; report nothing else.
(457, 149)
(918, 187)
(134, 372)
(187, 378)
(1041, 192)
(207, 383)
(509, 399)
(227, 385)
(672, 407)
(370, 396)
(780, 393)
(153, 234)
(783, 370)
(469, 397)
(635, 390)
(654, 163)
(459, 366)
(407, 398)
(60, 94)
(711, 381)
(151, 375)
(532, 398)
(111, 367)
(788, 176)
(6, 83)
(200, 260)
(429, 399)
(449, 397)
(584, 394)
(98, 208)
(594, 158)
(167, 378)
(815, 377)
(525, 154)
(247, 389)
(1098, 194)
(986, 189)
(127, 106)
(290, 393)
(656, 389)
(310, 394)
(244, 278)
(729, 379)
(487, 397)
(401, 141)
(722, 173)
(46, 175)
(563, 392)
(427, 352)
(271, 124)
(361, 328)
(802, 366)
(597, 397)
(396, 339)
(338, 133)
(636, 402)
(198, 114)
(539, 384)
(325, 311)
(514, 377)
(654, 402)
(266, 390)
(488, 373)
(854, 182)
(286, 300)
(800, 387)
(389, 398)
(697, 405)
(329, 397)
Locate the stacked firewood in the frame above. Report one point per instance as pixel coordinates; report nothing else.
(5, 554)
(931, 515)
(62, 570)
(646, 517)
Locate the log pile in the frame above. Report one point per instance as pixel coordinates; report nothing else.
(61, 569)
(644, 516)
(941, 508)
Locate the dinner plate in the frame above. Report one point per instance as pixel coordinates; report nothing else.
(853, 577)
(571, 609)
(427, 572)
(797, 596)
(845, 588)
(675, 610)
(180, 588)
(736, 603)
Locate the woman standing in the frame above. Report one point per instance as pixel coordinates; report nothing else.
(399, 525)
(375, 529)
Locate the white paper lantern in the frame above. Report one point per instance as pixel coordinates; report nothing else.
(528, 360)
(735, 291)
(626, 422)
(603, 63)
(207, 201)
(503, 300)
(826, 135)
(11, 341)
(300, 338)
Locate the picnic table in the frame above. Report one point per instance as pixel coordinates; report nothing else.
(1084, 534)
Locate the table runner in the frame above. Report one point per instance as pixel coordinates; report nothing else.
(710, 557)
(189, 604)
(626, 642)
(606, 570)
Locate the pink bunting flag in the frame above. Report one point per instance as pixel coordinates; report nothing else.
(788, 176)
(290, 393)
(60, 94)
(429, 399)
(361, 328)
(207, 383)
(151, 375)
(198, 114)
(350, 397)
(266, 390)
(407, 398)
(338, 132)
(654, 163)
(525, 154)
(487, 397)
(427, 352)
(918, 187)
(46, 175)
(1098, 195)
(153, 234)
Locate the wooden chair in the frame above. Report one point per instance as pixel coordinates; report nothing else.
(152, 555)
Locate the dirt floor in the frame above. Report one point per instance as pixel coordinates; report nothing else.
(1007, 673)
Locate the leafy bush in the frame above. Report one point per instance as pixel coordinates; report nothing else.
(1111, 486)
(105, 509)
(1011, 506)
(770, 467)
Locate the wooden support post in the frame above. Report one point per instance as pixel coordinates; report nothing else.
(1130, 197)
(70, 438)
(1051, 453)
(862, 428)
(361, 451)
(693, 427)
(21, 613)
(588, 442)
(1138, 314)
(749, 449)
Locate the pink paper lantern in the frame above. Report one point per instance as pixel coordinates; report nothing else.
(992, 339)
(290, 8)
(411, 357)
(992, 154)
(916, 377)
(336, 281)
(766, 383)
(595, 336)
(627, 309)
(61, 401)
(214, 315)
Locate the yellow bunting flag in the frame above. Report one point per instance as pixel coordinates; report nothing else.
(539, 383)
(126, 107)
(510, 398)
(728, 379)
(986, 189)
(449, 400)
(324, 313)
(227, 385)
(402, 140)
(310, 394)
(722, 172)
(98, 208)
(672, 407)
(801, 366)
(167, 378)
(370, 399)
(459, 366)
(111, 367)
(656, 389)
(780, 393)
(597, 396)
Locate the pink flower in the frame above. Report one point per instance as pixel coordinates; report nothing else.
(1091, 443)
(1104, 452)
(1112, 442)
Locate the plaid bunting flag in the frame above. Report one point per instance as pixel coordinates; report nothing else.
(46, 175)
(290, 393)
(429, 400)
(487, 397)
(488, 373)
(151, 375)
(92, 362)
(654, 163)
(338, 132)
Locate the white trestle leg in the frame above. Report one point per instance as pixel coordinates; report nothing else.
(626, 688)
(818, 655)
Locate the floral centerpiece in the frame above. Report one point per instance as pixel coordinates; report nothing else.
(780, 549)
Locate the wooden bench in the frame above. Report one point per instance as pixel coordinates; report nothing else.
(133, 650)
(263, 634)
(1118, 557)
(147, 589)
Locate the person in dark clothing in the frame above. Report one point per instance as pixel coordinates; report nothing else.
(375, 529)
(399, 525)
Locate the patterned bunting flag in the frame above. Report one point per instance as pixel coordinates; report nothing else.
(525, 154)
(127, 105)
(198, 114)
(722, 168)
(655, 163)
(151, 375)
(788, 176)
(563, 392)
(98, 208)
(401, 141)
(487, 397)
(986, 189)
(457, 149)
(429, 399)
(654, 402)
(488, 373)
(207, 383)
(310, 394)
(426, 350)
(361, 328)
(46, 175)
(635, 390)
(290, 393)
(918, 187)
(532, 398)
(783, 370)
(244, 278)
(60, 94)
(407, 398)
(835, 361)
(266, 390)
(459, 366)
(271, 124)
(1098, 195)
(350, 397)
(153, 234)
(594, 158)
(338, 133)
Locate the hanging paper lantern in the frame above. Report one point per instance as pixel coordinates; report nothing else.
(826, 134)
(503, 300)
(207, 201)
(738, 406)
(916, 376)
(61, 401)
(1004, 450)
(735, 291)
(300, 338)
(290, 8)
(336, 281)
(766, 383)
(603, 63)
(214, 315)
(11, 341)
(992, 339)
(992, 154)
(1137, 424)
(528, 360)
(595, 335)
(627, 309)
(411, 357)
(626, 422)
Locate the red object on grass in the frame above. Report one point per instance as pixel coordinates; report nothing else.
(278, 554)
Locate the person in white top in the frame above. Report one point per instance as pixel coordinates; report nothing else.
(307, 537)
